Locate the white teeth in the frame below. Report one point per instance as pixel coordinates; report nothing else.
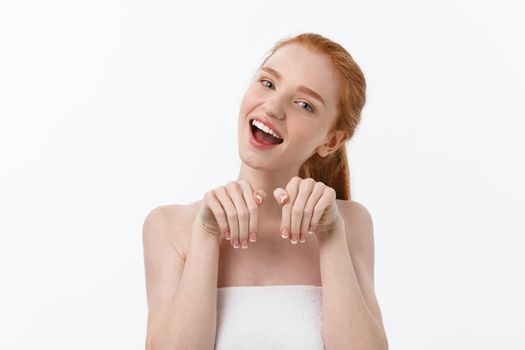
(265, 129)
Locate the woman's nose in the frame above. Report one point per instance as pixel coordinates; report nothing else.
(273, 108)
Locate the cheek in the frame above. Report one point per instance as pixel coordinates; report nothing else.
(248, 102)
(307, 131)
(304, 138)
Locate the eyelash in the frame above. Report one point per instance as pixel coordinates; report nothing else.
(312, 110)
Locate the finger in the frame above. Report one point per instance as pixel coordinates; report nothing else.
(218, 211)
(231, 214)
(298, 208)
(282, 197)
(253, 200)
(323, 202)
(237, 197)
(291, 192)
(317, 192)
(259, 195)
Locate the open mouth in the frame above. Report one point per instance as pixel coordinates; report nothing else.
(263, 134)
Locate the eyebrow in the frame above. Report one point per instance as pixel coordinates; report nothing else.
(300, 88)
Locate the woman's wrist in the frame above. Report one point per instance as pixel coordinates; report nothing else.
(201, 236)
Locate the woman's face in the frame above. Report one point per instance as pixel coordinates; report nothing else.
(278, 95)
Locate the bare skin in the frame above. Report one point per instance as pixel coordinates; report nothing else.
(172, 283)
(271, 260)
(184, 266)
(304, 122)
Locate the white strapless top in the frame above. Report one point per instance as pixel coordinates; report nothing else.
(269, 317)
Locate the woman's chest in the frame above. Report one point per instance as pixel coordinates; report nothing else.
(269, 262)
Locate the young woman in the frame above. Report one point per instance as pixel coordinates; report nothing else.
(304, 277)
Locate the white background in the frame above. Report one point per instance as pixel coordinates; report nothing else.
(111, 108)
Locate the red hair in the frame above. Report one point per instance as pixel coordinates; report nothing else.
(333, 169)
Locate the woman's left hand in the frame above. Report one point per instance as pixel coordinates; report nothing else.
(308, 207)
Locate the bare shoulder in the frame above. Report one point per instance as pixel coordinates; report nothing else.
(355, 213)
(359, 232)
(173, 222)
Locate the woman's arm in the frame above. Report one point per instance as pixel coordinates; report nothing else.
(185, 316)
(351, 314)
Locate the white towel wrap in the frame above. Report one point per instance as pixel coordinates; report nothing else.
(269, 317)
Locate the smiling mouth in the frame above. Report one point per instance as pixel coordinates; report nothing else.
(262, 136)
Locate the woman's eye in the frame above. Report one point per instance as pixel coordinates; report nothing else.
(263, 80)
(311, 109)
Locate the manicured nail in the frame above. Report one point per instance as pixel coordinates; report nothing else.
(302, 238)
(253, 237)
(284, 233)
(227, 235)
(294, 238)
(235, 244)
(244, 245)
(259, 198)
(283, 198)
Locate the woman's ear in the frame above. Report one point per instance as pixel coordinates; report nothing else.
(332, 143)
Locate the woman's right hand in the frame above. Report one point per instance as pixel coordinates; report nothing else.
(230, 211)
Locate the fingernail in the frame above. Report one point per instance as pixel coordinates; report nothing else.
(294, 239)
(302, 238)
(259, 198)
(283, 198)
(253, 237)
(235, 244)
(227, 235)
(310, 232)
(244, 244)
(284, 233)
